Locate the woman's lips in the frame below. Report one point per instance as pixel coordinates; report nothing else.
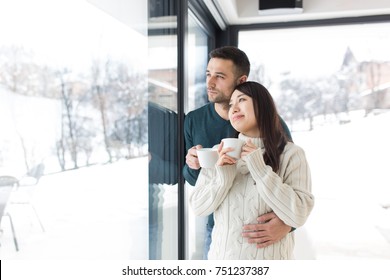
(237, 118)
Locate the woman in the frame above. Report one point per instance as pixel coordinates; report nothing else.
(271, 175)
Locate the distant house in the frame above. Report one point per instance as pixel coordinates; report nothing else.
(371, 81)
(376, 93)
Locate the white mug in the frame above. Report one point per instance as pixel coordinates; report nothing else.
(207, 157)
(233, 143)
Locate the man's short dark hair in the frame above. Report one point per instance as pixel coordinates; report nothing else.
(239, 58)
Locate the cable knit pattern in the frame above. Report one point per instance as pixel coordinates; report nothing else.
(238, 194)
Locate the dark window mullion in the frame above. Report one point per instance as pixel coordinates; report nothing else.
(182, 32)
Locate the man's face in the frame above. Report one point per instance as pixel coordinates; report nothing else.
(220, 80)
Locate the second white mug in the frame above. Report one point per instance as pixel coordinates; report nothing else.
(233, 143)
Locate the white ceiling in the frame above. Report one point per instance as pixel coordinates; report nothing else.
(237, 12)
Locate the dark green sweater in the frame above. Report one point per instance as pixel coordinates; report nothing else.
(205, 127)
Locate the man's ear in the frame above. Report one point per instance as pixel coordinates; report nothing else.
(243, 79)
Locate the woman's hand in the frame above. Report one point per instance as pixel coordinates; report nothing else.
(248, 148)
(224, 159)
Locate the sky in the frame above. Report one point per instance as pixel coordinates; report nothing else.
(315, 51)
(74, 32)
(68, 32)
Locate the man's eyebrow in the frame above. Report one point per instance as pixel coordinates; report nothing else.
(218, 73)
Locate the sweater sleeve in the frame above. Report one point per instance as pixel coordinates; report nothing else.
(288, 194)
(190, 175)
(211, 188)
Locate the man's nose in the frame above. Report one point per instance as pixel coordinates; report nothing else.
(210, 81)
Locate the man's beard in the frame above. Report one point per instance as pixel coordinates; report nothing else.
(220, 99)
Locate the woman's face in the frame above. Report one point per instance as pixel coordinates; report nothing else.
(242, 114)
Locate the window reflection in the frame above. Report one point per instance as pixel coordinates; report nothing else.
(163, 131)
(197, 96)
(198, 58)
(163, 179)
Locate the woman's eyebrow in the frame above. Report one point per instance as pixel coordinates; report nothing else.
(241, 94)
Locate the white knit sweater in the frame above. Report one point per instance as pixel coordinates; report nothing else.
(239, 193)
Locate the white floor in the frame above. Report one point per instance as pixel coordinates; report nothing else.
(92, 213)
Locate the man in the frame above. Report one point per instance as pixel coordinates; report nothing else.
(209, 124)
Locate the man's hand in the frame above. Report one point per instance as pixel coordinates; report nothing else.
(270, 229)
(192, 158)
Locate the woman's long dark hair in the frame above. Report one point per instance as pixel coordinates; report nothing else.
(268, 121)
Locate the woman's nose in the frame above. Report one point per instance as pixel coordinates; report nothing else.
(233, 107)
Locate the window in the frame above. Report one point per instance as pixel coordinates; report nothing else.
(197, 97)
(332, 87)
(74, 98)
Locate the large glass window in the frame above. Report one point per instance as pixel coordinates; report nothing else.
(197, 96)
(332, 87)
(73, 122)
(163, 130)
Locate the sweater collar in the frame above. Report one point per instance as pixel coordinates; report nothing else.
(257, 141)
